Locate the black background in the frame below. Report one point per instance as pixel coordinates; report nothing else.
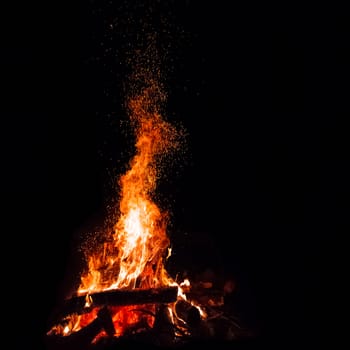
(262, 190)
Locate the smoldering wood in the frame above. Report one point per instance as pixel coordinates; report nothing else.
(187, 312)
(106, 319)
(209, 297)
(83, 338)
(117, 297)
(163, 329)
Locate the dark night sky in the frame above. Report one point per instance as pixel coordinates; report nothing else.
(264, 186)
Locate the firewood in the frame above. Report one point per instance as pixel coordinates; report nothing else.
(106, 319)
(163, 328)
(207, 297)
(116, 297)
(187, 312)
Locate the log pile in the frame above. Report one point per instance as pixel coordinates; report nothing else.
(191, 324)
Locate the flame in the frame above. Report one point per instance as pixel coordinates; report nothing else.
(134, 253)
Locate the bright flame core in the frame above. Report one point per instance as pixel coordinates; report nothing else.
(134, 253)
(134, 257)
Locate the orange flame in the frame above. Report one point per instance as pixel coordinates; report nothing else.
(134, 254)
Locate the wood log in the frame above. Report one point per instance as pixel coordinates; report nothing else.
(116, 297)
(163, 329)
(188, 313)
(207, 297)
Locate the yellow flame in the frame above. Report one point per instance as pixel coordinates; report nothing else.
(139, 242)
(133, 256)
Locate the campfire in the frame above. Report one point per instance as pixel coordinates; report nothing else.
(126, 292)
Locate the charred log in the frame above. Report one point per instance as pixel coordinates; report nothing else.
(188, 313)
(163, 328)
(208, 297)
(117, 297)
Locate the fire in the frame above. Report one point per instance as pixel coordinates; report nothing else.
(134, 257)
(134, 254)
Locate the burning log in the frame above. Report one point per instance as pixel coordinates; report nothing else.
(84, 337)
(117, 297)
(163, 329)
